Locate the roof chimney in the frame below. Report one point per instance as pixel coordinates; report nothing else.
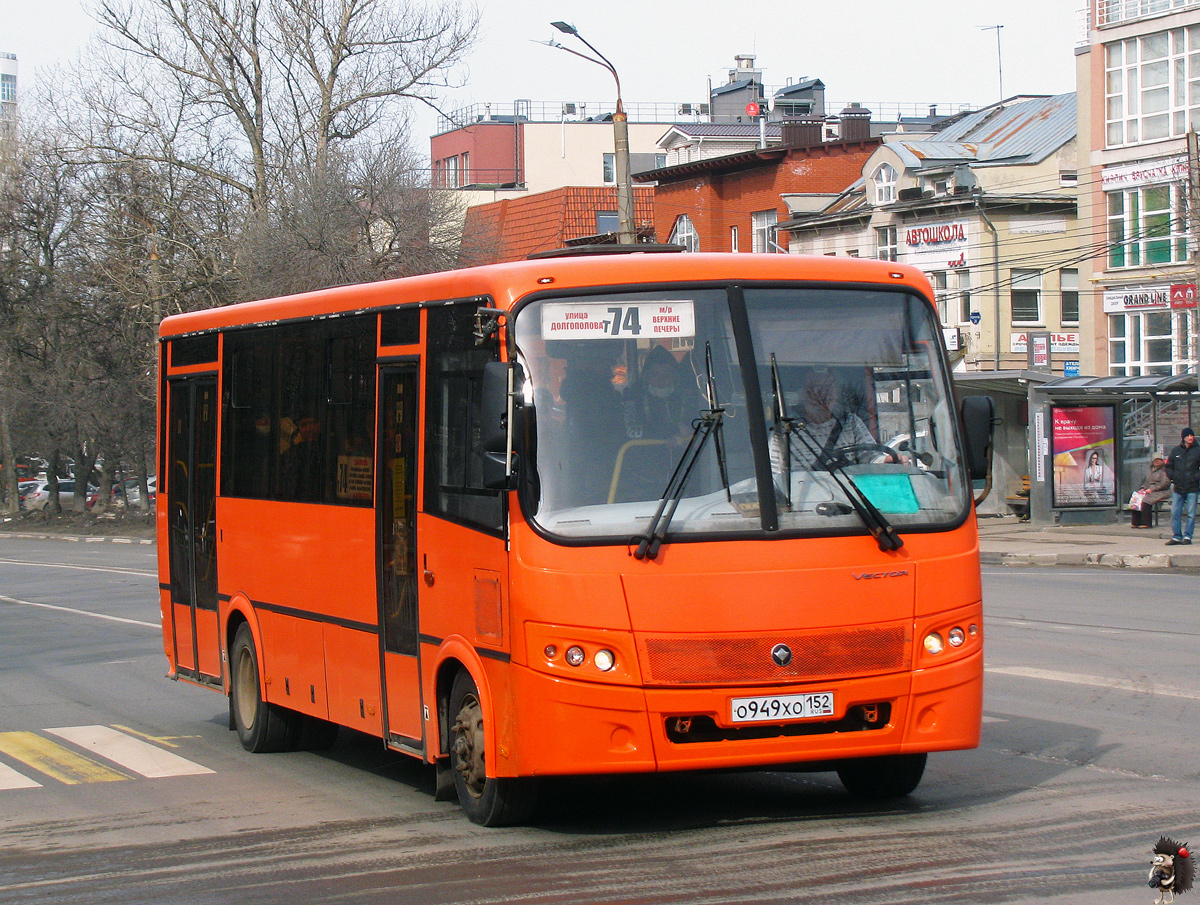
(744, 70)
(855, 123)
(803, 131)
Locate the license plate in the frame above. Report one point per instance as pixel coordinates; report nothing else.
(776, 708)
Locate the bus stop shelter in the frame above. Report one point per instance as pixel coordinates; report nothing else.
(1092, 440)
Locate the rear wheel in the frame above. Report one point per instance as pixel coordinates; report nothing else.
(892, 776)
(487, 801)
(261, 727)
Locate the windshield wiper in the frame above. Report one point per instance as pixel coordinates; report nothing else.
(881, 529)
(782, 429)
(707, 425)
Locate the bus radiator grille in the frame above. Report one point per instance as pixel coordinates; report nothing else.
(743, 660)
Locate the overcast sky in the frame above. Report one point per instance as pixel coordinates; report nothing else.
(872, 51)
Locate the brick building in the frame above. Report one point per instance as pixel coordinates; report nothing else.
(733, 203)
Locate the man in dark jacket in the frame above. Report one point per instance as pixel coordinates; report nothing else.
(1183, 468)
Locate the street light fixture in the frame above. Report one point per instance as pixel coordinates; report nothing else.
(626, 234)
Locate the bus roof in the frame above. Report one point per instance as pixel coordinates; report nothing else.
(507, 283)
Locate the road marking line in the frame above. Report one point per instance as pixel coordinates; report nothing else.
(63, 565)
(168, 740)
(54, 760)
(1051, 675)
(11, 779)
(66, 609)
(131, 753)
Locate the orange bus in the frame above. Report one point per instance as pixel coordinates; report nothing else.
(581, 514)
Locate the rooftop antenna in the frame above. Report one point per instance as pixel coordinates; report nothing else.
(999, 60)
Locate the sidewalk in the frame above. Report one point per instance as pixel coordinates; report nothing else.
(1007, 541)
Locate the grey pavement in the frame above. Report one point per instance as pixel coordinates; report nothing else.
(1008, 541)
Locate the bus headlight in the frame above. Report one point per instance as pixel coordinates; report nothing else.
(604, 660)
(575, 655)
(956, 637)
(934, 643)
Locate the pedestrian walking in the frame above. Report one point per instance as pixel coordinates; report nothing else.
(1183, 468)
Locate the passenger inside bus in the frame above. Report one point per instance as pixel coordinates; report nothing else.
(658, 406)
(301, 465)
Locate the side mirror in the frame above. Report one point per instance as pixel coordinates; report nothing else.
(499, 404)
(977, 414)
(494, 407)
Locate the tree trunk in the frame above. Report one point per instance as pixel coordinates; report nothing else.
(8, 465)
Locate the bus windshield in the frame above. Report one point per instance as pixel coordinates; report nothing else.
(720, 396)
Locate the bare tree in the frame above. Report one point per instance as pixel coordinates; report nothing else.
(238, 89)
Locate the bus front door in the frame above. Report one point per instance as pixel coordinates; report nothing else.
(191, 507)
(397, 551)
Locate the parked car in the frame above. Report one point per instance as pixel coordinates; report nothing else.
(40, 496)
(24, 488)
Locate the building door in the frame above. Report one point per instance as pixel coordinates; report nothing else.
(192, 520)
(397, 551)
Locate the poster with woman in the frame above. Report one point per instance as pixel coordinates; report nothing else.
(1083, 441)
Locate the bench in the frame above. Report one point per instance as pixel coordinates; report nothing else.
(1018, 501)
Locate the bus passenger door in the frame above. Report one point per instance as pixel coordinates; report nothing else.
(397, 552)
(191, 508)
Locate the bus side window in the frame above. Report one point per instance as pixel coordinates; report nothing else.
(454, 438)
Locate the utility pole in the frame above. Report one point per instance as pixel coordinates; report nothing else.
(626, 230)
(1192, 315)
(999, 59)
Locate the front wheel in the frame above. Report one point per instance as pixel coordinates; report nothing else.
(875, 778)
(488, 801)
(260, 726)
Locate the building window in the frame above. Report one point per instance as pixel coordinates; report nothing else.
(1152, 86)
(465, 171)
(733, 238)
(762, 224)
(1068, 284)
(1026, 296)
(450, 173)
(940, 285)
(1147, 225)
(963, 279)
(610, 169)
(885, 243)
(885, 184)
(1142, 343)
(684, 233)
(8, 88)
(607, 222)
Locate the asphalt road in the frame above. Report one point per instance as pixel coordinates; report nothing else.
(1092, 706)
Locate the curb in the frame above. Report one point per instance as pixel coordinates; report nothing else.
(1181, 561)
(80, 539)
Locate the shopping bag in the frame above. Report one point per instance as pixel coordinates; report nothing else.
(1135, 499)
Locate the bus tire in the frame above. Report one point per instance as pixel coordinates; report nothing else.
(261, 727)
(875, 778)
(488, 801)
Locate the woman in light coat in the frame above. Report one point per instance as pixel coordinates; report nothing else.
(1156, 487)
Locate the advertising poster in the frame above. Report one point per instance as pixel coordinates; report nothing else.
(1082, 446)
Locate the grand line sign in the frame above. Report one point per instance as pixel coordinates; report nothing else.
(1136, 298)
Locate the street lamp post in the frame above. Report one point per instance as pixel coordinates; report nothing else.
(626, 234)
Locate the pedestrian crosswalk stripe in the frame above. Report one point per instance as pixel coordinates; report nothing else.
(11, 779)
(131, 753)
(54, 760)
